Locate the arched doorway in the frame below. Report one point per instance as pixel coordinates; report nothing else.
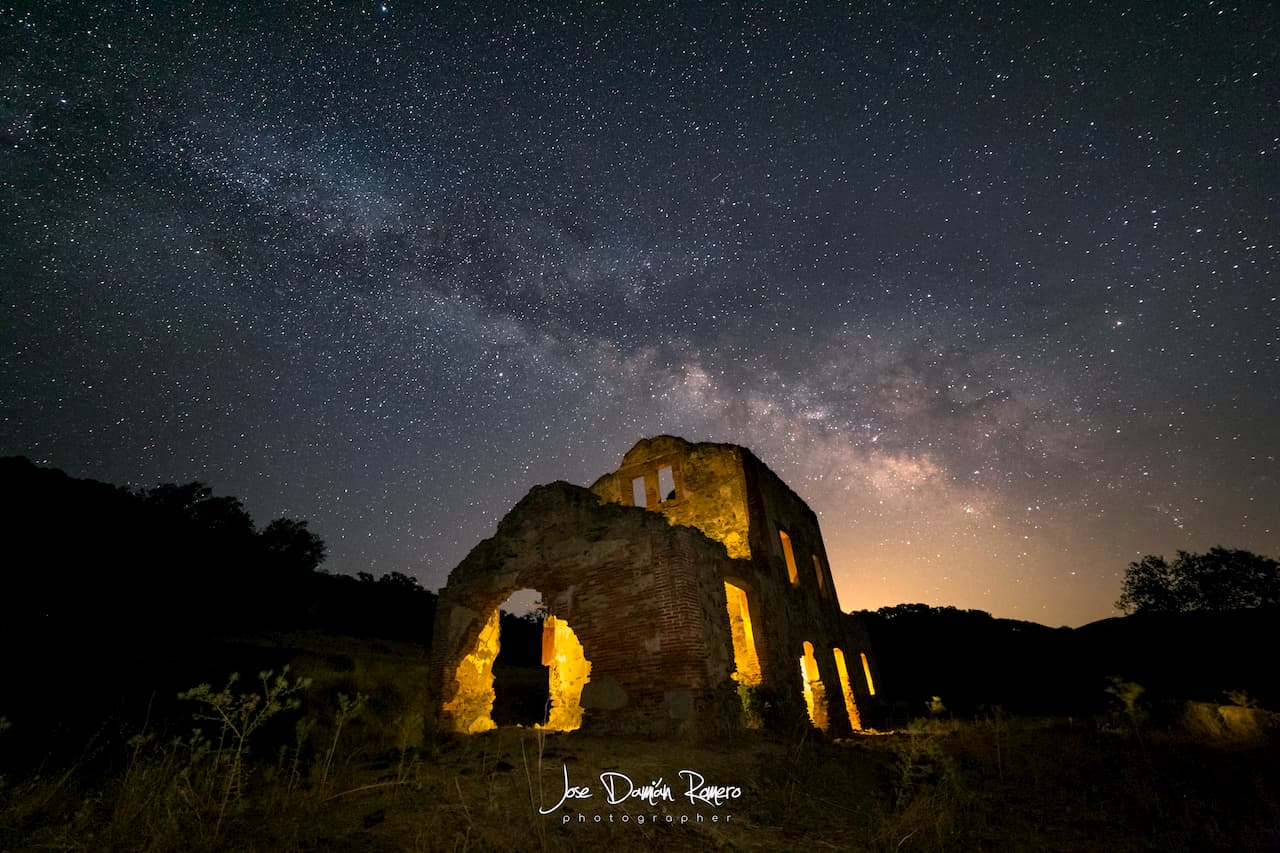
(526, 669)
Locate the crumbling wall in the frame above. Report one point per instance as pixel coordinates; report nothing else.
(804, 611)
(710, 491)
(643, 597)
(637, 567)
(733, 497)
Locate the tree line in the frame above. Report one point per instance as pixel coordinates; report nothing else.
(1220, 579)
(90, 560)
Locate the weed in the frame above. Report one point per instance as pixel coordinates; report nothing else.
(348, 708)
(237, 715)
(758, 705)
(1241, 699)
(1128, 694)
(996, 721)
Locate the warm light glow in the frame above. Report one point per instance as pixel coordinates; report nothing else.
(817, 572)
(851, 706)
(814, 696)
(866, 669)
(568, 671)
(472, 705)
(745, 658)
(790, 557)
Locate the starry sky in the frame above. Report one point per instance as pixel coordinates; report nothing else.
(993, 286)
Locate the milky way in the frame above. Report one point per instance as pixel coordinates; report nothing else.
(994, 290)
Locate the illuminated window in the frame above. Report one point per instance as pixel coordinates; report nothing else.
(666, 484)
(866, 669)
(745, 657)
(790, 557)
(637, 493)
(817, 572)
(851, 706)
(814, 697)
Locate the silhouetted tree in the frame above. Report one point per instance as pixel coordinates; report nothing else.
(291, 546)
(1149, 584)
(398, 580)
(1222, 579)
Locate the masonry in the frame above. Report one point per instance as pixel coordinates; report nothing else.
(686, 592)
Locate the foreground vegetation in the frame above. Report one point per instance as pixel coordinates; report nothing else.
(287, 761)
(123, 731)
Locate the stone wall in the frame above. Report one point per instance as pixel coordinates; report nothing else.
(641, 596)
(807, 610)
(729, 494)
(636, 566)
(710, 490)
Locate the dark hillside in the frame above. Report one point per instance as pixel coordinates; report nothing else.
(976, 663)
(113, 600)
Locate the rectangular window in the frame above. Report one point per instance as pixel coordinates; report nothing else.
(814, 695)
(790, 557)
(666, 484)
(850, 704)
(637, 493)
(866, 670)
(745, 658)
(817, 571)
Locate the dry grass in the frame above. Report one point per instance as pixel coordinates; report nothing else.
(1058, 786)
(351, 777)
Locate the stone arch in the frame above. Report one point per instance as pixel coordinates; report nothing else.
(471, 705)
(645, 600)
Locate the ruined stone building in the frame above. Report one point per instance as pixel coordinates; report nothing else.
(688, 591)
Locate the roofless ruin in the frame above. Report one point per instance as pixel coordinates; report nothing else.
(686, 592)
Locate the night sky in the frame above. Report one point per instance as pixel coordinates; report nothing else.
(992, 286)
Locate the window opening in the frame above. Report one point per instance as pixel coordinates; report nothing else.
(866, 669)
(745, 656)
(850, 704)
(790, 557)
(638, 497)
(814, 697)
(746, 659)
(666, 484)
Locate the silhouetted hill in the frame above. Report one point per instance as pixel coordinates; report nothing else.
(976, 662)
(1193, 655)
(968, 658)
(109, 596)
(91, 561)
